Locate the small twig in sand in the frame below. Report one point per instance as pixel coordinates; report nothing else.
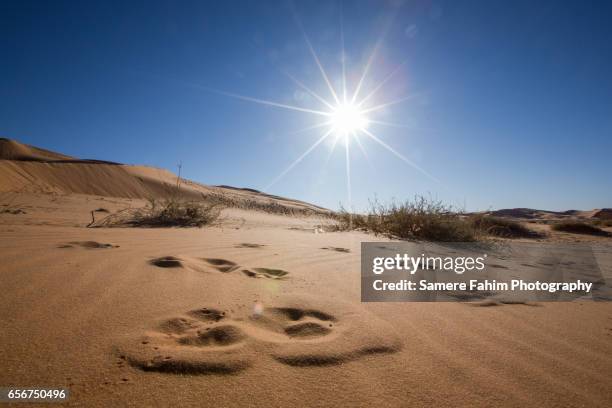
(93, 219)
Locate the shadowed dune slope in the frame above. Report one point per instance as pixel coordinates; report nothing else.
(85, 178)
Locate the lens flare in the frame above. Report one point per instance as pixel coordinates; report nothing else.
(347, 114)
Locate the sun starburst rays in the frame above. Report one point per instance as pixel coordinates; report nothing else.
(347, 117)
(299, 159)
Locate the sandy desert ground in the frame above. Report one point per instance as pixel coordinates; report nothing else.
(256, 310)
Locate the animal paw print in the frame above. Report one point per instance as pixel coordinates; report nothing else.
(213, 341)
(200, 342)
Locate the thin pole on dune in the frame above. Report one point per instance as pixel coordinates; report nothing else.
(178, 179)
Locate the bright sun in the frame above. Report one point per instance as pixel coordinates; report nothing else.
(347, 118)
(348, 113)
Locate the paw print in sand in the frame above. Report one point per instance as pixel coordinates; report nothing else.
(213, 341)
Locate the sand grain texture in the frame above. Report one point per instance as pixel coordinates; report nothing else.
(118, 329)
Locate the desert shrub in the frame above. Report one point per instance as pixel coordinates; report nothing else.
(345, 220)
(578, 227)
(421, 218)
(424, 219)
(171, 212)
(502, 227)
(431, 220)
(174, 213)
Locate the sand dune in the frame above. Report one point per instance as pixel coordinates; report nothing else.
(603, 214)
(25, 168)
(258, 310)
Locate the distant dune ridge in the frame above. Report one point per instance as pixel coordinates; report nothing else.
(13, 150)
(603, 214)
(25, 168)
(530, 213)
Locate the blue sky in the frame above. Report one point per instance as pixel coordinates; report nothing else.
(510, 101)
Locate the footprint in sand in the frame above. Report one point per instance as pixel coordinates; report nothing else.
(200, 342)
(265, 273)
(222, 265)
(167, 262)
(337, 249)
(213, 341)
(303, 323)
(218, 264)
(88, 245)
(248, 245)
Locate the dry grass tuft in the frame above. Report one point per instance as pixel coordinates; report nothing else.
(175, 213)
(171, 212)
